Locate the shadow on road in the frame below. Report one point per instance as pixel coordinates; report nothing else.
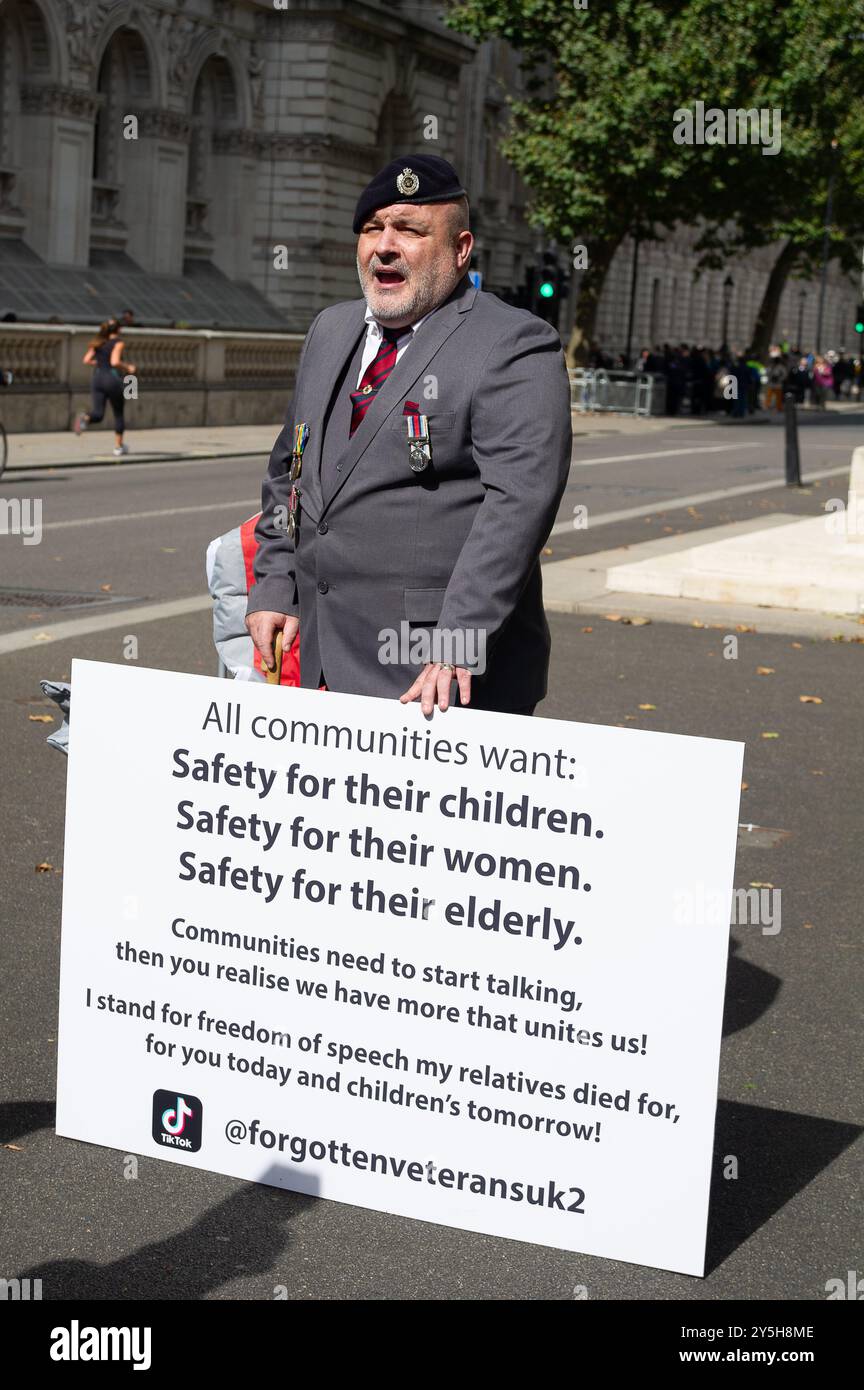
(19, 1118)
(750, 992)
(778, 1153)
(240, 1237)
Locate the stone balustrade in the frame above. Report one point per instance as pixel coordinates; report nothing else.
(184, 376)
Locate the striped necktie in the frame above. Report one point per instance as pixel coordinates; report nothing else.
(374, 376)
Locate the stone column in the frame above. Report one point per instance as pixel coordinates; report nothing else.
(154, 191)
(56, 158)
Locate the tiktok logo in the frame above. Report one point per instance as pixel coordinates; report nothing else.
(174, 1121)
(177, 1121)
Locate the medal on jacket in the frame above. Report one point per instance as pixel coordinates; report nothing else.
(419, 447)
(301, 434)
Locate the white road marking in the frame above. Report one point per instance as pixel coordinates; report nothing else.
(244, 502)
(86, 470)
(102, 622)
(665, 454)
(671, 504)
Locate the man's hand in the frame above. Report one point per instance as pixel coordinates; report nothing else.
(433, 683)
(263, 627)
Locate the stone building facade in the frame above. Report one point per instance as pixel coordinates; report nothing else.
(207, 155)
(236, 135)
(674, 304)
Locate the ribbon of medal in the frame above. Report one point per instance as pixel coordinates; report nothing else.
(419, 447)
(301, 435)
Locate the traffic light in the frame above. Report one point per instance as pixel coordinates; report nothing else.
(548, 288)
(859, 319)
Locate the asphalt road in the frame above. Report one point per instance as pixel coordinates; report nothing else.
(790, 1109)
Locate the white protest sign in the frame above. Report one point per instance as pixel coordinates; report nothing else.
(463, 969)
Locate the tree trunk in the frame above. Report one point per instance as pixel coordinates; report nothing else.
(766, 318)
(600, 256)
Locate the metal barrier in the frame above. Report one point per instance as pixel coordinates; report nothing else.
(621, 393)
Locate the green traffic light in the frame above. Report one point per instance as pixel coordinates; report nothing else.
(859, 327)
(547, 289)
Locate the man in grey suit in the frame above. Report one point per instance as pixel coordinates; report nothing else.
(418, 472)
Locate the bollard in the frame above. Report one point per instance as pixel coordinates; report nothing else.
(793, 459)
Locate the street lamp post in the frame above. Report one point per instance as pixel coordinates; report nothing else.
(634, 271)
(728, 287)
(826, 242)
(802, 297)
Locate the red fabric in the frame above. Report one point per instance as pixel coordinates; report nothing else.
(290, 673)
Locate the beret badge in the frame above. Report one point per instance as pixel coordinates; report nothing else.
(408, 182)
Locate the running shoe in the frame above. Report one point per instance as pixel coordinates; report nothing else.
(120, 450)
(79, 424)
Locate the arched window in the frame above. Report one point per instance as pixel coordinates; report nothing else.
(123, 88)
(214, 111)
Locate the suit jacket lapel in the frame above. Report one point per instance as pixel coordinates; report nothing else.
(414, 360)
(336, 348)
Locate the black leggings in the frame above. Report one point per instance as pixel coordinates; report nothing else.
(105, 386)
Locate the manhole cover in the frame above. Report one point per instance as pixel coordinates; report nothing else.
(53, 598)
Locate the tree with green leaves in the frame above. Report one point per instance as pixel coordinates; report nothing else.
(592, 136)
(814, 76)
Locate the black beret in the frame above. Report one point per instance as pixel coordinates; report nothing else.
(413, 178)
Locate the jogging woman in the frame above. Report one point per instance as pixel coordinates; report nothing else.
(105, 353)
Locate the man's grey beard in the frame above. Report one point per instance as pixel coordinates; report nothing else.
(425, 291)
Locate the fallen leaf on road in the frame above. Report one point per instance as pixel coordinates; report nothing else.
(41, 636)
(761, 885)
(805, 700)
(105, 588)
(744, 627)
(668, 528)
(612, 617)
(640, 622)
(807, 924)
(745, 786)
(172, 550)
(647, 706)
(770, 735)
(44, 867)
(817, 771)
(587, 629)
(14, 1148)
(41, 718)
(764, 670)
(696, 623)
(798, 645)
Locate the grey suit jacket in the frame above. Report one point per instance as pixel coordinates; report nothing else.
(454, 547)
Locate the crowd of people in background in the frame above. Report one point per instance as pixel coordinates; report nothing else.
(704, 380)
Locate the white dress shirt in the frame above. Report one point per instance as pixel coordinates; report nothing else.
(374, 336)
